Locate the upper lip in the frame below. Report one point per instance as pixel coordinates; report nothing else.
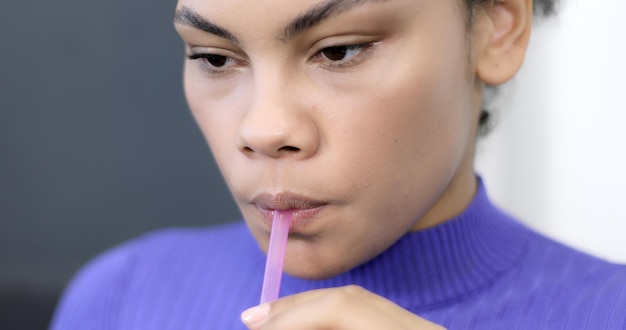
(285, 201)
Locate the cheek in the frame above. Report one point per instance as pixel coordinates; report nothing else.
(407, 138)
(215, 113)
(409, 114)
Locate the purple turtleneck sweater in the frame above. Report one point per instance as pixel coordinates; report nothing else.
(480, 270)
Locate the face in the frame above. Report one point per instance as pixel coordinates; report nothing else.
(359, 116)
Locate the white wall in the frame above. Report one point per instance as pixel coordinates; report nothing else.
(558, 154)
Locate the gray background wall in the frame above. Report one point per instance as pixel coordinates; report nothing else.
(96, 143)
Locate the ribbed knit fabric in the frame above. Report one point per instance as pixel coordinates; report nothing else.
(480, 270)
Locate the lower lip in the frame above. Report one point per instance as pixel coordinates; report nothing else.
(300, 218)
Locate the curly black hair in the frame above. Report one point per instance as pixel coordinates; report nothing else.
(540, 7)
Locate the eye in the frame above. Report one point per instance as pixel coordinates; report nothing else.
(216, 62)
(213, 60)
(341, 53)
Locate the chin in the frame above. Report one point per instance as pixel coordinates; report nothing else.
(313, 271)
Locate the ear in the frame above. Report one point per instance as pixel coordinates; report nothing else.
(505, 32)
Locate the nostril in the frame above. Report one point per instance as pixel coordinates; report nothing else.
(289, 149)
(275, 153)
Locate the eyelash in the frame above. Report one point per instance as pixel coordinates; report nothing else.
(319, 58)
(364, 49)
(206, 66)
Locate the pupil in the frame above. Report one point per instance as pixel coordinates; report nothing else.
(335, 53)
(216, 60)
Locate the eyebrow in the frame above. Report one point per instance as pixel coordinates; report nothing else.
(188, 16)
(319, 13)
(297, 26)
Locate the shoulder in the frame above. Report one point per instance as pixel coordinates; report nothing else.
(573, 287)
(146, 264)
(552, 286)
(567, 262)
(98, 282)
(549, 261)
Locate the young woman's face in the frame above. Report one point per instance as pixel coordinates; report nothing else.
(359, 115)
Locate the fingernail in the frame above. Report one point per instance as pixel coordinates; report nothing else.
(255, 315)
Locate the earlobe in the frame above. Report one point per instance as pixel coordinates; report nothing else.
(504, 45)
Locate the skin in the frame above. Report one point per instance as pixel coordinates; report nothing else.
(381, 137)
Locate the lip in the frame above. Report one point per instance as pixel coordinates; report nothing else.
(303, 208)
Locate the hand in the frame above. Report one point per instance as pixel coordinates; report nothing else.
(344, 308)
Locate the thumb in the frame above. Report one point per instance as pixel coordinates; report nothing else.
(254, 317)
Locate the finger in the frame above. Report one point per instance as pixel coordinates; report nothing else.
(255, 316)
(281, 304)
(336, 309)
(350, 307)
(350, 295)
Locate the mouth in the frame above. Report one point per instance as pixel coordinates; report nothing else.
(303, 209)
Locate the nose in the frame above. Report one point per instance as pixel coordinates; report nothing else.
(277, 125)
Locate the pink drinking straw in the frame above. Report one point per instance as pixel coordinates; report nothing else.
(276, 256)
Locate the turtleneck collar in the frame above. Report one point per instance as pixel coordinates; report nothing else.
(438, 265)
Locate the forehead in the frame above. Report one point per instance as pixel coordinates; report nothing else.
(284, 19)
(275, 10)
(287, 18)
(274, 7)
